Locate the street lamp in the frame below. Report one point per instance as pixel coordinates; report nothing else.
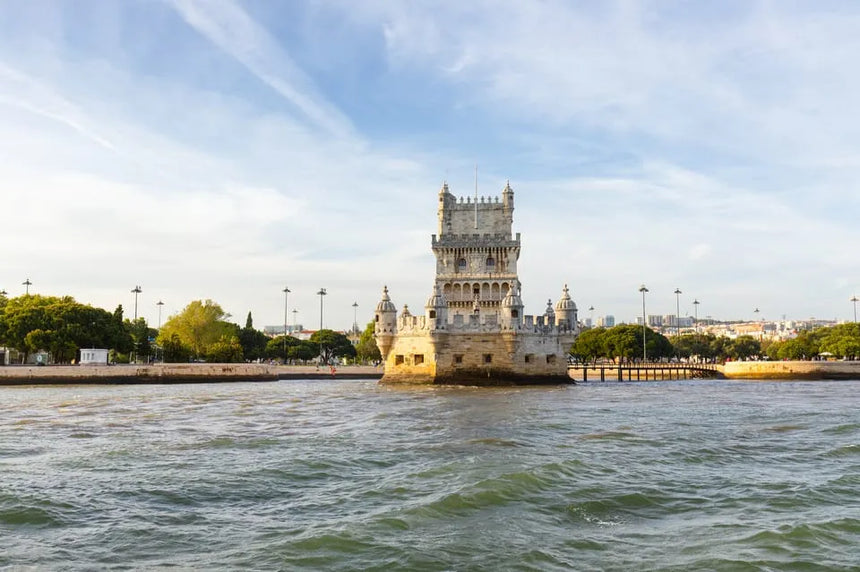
(27, 285)
(355, 318)
(159, 304)
(854, 299)
(678, 312)
(136, 291)
(286, 294)
(696, 313)
(643, 289)
(321, 294)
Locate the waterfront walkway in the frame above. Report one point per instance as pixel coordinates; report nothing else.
(176, 373)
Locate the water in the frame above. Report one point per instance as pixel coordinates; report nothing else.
(347, 475)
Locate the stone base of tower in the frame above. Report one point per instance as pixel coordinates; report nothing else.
(479, 378)
(478, 358)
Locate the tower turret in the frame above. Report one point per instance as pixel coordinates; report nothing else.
(385, 323)
(565, 311)
(549, 314)
(512, 309)
(437, 310)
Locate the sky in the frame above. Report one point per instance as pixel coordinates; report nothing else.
(227, 149)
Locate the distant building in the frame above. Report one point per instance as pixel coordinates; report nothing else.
(273, 331)
(607, 321)
(94, 356)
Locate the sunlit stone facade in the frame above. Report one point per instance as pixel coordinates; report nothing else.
(473, 330)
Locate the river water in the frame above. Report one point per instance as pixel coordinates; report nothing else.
(348, 475)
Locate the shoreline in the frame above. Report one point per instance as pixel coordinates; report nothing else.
(172, 373)
(16, 375)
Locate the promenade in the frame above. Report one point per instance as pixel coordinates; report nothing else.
(175, 373)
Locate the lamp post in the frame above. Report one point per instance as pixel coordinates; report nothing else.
(677, 312)
(696, 313)
(643, 289)
(286, 312)
(137, 290)
(26, 283)
(854, 299)
(761, 326)
(159, 304)
(321, 294)
(355, 318)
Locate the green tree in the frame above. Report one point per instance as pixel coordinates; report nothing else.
(744, 347)
(253, 341)
(140, 334)
(694, 346)
(590, 345)
(174, 350)
(366, 350)
(842, 341)
(279, 347)
(225, 350)
(201, 324)
(57, 324)
(304, 351)
(332, 344)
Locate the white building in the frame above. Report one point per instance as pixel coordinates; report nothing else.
(94, 356)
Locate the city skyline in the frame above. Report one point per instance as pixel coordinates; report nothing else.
(227, 149)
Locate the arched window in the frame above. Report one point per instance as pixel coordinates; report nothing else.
(461, 265)
(491, 263)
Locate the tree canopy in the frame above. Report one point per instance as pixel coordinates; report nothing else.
(332, 344)
(366, 349)
(59, 325)
(203, 331)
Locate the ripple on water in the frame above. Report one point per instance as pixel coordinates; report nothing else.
(604, 476)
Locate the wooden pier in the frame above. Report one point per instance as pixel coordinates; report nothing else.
(643, 371)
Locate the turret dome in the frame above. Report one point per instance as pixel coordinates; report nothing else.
(385, 305)
(512, 298)
(565, 303)
(436, 299)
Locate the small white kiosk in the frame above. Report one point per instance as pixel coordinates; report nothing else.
(91, 356)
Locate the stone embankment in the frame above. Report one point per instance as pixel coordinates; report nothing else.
(175, 373)
(791, 370)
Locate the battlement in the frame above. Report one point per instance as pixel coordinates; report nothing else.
(475, 240)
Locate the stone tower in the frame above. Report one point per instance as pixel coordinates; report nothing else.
(474, 330)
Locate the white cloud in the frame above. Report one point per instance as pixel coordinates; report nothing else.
(230, 28)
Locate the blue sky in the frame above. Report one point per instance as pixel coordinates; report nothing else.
(223, 149)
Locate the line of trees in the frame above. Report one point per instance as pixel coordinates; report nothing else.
(842, 341)
(624, 343)
(201, 331)
(62, 326)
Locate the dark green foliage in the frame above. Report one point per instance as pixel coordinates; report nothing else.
(623, 343)
(332, 344)
(366, 350)
(59, 325)
(253, 341)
